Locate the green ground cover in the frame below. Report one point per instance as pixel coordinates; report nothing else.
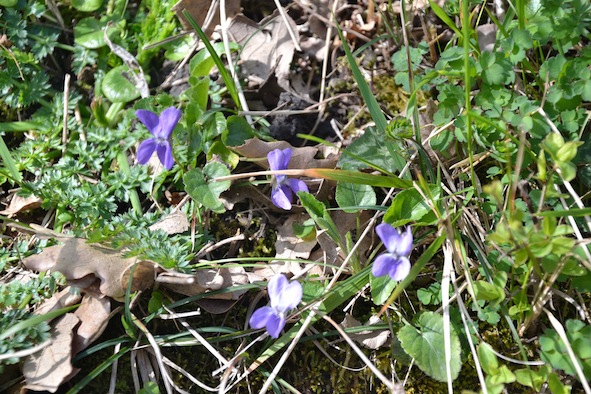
(185, 213)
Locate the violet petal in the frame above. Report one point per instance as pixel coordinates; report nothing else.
(281, 196)
(297, 185)
(145, 150)
(279, 159)
(275, 286)
(168, 121)
(400, 269)
(404, 246)
(275, 324)
(382, 264)
(260, 317)
(165, 155)
(149, 119)
(389, 236)
(290, 297)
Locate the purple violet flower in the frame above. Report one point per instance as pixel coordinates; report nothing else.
(161, 128)
(283, 187)
(395, 261)
(284, 297)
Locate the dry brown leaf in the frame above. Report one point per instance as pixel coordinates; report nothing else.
(174, 223)
(304, 157)
(487, 36)
(66, 297)
(93, 313)
(199, 9)
(206, 280)
(373, 339)
(288, 246)
(47, 369)
(18, 203)
(266, 46)
(84, 264)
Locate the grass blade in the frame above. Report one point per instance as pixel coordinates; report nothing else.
(9, 162)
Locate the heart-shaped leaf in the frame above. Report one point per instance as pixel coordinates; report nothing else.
(203, 189)
(351, 195)
(425, 344)
(118, 86)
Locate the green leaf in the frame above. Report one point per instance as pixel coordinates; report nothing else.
(425, 344)
(155, 302)
(202, 63)
(117, 87)
(306, 230)
(9, 161)
(218, 149)
(89, 32)
(502, 376)
(237, 131)
(488, 292)
(487, 358)
(556, 386)
(381, 288)
(530, 378)
(496, 69)
(198, 93)
(150, 388)
(553, 349)
(408, 206)
(373, 106)
(360, 178)
(8, 3)
(203, 189)
(371, 150)
(354, 195)
(317, 211)
(87, 5)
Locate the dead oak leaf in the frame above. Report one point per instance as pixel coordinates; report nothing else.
(47, 369)
(266, 47)
(84, 264)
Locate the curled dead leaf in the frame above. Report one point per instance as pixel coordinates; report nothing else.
(93, 314)
(84, 264)
(206, 280)
(371, 339)
(18, 204)
(304, 157)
